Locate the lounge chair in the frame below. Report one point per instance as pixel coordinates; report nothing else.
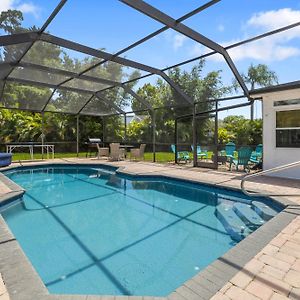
(181, 155)
(5, 159)
(243, 159)
(229, 149)
(200, 154)
(138, 153)
(256, 156)
(115, 152)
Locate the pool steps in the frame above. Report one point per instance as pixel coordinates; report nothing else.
(248, 215)
(264, 210)
(240, 219)
(231, 222)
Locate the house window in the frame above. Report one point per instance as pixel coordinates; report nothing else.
(288, 128)
(287, 102)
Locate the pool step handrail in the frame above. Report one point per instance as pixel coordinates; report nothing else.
(272, 170)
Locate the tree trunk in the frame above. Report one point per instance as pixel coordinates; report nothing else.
(252, 105)
(252, 111)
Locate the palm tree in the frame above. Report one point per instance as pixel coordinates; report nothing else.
(259, 75)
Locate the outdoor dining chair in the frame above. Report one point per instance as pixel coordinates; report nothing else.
(138, 153)
(115, 152)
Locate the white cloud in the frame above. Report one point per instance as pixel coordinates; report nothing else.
(272, 48)
(5, 5)
(221, 28)
(24, 7)
(265, 51)
(197, 50)
(178, 41)
(29, 8)
(273, 19)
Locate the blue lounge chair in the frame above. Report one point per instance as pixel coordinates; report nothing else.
(230, 148)
(5, 159)
(181, 155)
(256, 156)
(200, 154)
(243, 159)
(229, 151)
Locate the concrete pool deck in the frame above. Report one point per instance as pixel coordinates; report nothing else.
(265, 265)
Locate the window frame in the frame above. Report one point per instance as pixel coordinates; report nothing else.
(283, 108)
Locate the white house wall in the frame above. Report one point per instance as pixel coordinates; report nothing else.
(273, 156)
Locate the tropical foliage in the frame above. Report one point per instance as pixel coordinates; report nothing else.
(240, 130)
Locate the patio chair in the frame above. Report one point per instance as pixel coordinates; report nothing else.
(181, 155)
(102, 151)
(230, 148)
(230, 151)
(200, 154)
(138, 153)
(5, 159)
(243, 159)
(115, 152)
(256, 156)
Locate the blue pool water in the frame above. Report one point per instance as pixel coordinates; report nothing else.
(88, 230)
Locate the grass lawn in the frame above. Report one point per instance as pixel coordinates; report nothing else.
(26, 156)
(161, 157)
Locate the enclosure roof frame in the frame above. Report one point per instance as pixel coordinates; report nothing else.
(168, 22)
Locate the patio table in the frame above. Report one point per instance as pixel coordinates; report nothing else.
(126, 147)
(49, 148)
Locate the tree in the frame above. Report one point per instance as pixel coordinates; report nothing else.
(259, 75)
(240, 130)
(10, 21)
(160, 94)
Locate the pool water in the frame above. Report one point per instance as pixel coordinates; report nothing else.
(88, 230)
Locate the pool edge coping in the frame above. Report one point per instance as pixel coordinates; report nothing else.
(203, 285)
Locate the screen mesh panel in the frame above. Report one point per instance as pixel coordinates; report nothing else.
(34, 14)
(98, 107)
(276, 52)
(116, 72)
(60, 130)
(4, 71)
(17, 127)
(157, 92)
(122, 99)
(89, 127)
(86, 85)
(165, 49)
(139, 128)
(37, 75)
(28, 97)
(202, 79)
(118, 26)
(67, 101)
(114, 129)
(1, 87)
(178, 10)
(12, 53)
(51, 55)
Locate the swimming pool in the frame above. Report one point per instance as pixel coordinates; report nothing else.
(88, 230)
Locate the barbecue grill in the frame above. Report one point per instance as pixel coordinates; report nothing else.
(92, 146)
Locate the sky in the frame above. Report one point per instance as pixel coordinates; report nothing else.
(112, 25)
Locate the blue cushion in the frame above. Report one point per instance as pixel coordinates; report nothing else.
(5, 155)
(5, 159)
